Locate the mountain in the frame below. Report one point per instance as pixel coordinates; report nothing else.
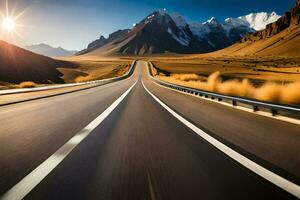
(278, 38)
(161, 32)
(157, 33)
(221, 35)
(103, 41)
(17, 65)
(257, 21)
(50, 51)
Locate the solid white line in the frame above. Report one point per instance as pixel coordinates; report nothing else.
(281, 182)
(22, 188)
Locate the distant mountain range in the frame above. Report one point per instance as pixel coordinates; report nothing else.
(161, 32)
(47, 50)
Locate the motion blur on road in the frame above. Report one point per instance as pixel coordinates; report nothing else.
(140, 150)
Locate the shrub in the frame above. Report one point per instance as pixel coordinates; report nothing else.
(81, 79)
(27, 84)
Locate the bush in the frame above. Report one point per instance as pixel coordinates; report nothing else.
(27, 84)
(274, 92)
(81, 79)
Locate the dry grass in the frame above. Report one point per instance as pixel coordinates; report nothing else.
(256, 69)
(114, 71)
(269, 91)
(237, 88)
(291, 93)
(94, 68)
(186, 77)
(81, 79)
(27, 84)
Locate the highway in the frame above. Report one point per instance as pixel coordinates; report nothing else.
(116, 141)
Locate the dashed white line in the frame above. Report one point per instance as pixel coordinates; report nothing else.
(22, 188)
(279, 181)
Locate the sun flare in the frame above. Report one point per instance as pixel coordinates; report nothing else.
(8, 24)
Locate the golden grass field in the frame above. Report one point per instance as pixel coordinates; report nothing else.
(267, 78)
(275, 79)
(94, 68)
(87, 69)
(256, 69)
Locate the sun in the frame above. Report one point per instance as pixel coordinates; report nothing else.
(8, 24)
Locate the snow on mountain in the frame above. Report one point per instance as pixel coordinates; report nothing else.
(183, 39)
(161, 32)
(174, 24)
(258, 21)
(235, 22)
(249, 23)
(212, 21)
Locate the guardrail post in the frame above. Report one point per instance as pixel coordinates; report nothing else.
(255, 108)
(234, 103)
(274, 112)
(219, 99)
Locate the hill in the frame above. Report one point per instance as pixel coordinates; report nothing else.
(18, 65)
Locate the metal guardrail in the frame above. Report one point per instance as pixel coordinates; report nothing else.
(275, 109)
(25, 90)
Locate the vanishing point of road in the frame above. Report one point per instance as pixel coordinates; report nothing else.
(133, 139)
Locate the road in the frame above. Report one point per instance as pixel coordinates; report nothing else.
(139, 150)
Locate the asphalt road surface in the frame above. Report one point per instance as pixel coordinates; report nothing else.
(117, 142)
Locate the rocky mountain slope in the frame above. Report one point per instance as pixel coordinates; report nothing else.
(221, 35)
(291, 18)
(103, 41)
(161, 32)
(17, 65)
(279, 38)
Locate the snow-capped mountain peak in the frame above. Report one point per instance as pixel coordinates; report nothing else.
(235, 22)
(160, 16)
(248, 23)
(258, 21)
(160, 32)
(212, 20)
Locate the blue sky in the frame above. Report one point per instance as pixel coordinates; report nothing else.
(72, 24)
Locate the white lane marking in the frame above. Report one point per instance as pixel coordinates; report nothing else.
(281, 182)
(22, 188)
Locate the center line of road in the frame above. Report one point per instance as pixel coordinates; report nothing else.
(279, 181)
(22, 188)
